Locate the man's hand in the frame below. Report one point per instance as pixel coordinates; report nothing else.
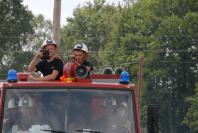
(39, 54)
(32, 65)
(88, 68)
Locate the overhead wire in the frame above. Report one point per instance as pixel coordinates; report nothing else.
(132, 34)
(116, 51)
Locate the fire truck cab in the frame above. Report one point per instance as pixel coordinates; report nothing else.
(92, 105)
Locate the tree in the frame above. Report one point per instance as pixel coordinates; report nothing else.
(158, 29)
(14, 27)
(191, 118)
(91, 25)
(42, 29)
(170, 71)
(21, 35)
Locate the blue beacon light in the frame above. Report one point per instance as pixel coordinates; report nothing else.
(12, 76)
(124, 77)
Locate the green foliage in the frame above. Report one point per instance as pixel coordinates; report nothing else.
(15, 25)
(91, 25)
(21, 35)
(42, 29)
(163, 31)
(171, 71)
(191, 119)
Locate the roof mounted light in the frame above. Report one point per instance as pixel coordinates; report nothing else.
(124, 77)
(12, 76)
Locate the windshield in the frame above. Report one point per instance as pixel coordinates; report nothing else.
(71, 110)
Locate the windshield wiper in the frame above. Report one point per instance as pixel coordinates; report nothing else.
(78, 130)
(54, 131)
(87, 131)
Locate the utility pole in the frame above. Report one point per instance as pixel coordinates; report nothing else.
(56, 21)
(140, 74)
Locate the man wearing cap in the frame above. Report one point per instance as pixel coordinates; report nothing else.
(47, 62)
(80, 52)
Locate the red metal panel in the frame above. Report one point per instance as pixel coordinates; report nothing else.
(2, 100)
(72, 84)
(90, 85)
(105, 76)
(137, 114)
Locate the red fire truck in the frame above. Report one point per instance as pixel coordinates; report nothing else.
(101, 104)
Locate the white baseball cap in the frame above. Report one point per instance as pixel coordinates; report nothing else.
(49, 42)
(81, 47)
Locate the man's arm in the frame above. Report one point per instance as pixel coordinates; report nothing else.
(32, 66)
(49, 77)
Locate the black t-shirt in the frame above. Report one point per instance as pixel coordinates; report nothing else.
(47, 68)
(89, 64)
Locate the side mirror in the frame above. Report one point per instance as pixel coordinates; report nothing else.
(152, 118)
(107, 70)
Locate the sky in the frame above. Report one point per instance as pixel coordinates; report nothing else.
(46, 7)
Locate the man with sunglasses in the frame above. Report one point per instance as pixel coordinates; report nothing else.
(47, 62)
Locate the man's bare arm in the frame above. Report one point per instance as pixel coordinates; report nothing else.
(49, 77)
(32, 66)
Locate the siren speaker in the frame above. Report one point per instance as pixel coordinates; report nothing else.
(81, 72)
